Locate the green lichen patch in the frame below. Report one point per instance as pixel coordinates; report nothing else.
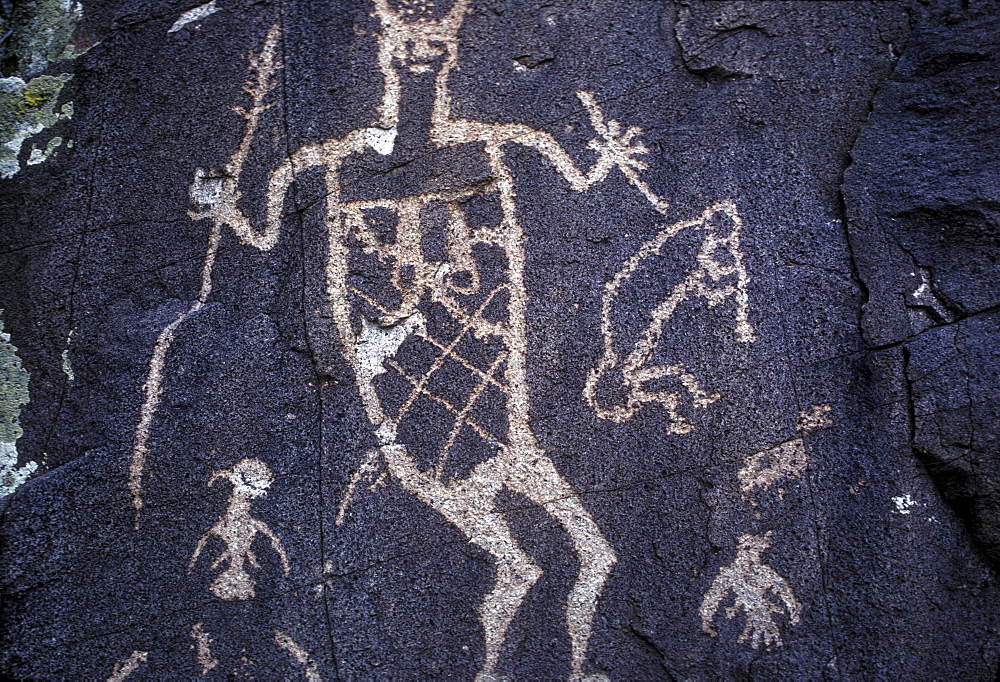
(41, 34)
(13, 389)
(38, 35)
(26, 109)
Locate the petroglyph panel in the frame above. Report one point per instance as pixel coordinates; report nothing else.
(445, 339)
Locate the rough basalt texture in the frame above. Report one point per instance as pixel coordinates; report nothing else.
(827, 474)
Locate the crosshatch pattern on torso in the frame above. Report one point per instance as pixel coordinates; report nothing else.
(438, 255)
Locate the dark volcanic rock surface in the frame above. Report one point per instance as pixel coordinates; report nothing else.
(801, 480)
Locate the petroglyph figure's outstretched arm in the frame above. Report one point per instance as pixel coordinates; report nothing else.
(198, 548)
(615, 147)
(275, 543)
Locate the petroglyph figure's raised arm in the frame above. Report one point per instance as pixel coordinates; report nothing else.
(615, 147)
(217, 193)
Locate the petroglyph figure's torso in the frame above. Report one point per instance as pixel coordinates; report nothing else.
(428, 293)
(437, 307)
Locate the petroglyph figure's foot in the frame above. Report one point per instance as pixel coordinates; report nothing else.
(490, 677)
(758, 591)
(761, 632)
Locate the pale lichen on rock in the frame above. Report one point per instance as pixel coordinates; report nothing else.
(13, 394)
(39, 36)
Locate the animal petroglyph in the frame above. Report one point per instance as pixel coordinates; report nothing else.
(770, 465)
(717, 275)
(126, 667)
(751, 581)
(785, 460)
(237, 529)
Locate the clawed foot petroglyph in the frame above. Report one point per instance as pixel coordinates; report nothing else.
(752, 582)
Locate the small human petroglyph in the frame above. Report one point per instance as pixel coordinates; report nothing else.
(127, 666)
(785, 460)
(751, 580)
(203, 648)
(299, 655)
(717, 275)
(237, 529)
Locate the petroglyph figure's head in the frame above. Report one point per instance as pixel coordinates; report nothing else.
(417, 32)
(250, 477)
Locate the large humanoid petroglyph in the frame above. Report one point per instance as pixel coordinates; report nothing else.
(457, 311)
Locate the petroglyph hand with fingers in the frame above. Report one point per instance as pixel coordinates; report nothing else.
(751, 581)
(237, 529)
(617, 148)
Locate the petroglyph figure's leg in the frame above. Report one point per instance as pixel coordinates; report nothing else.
(535, 476)
(234, 583)
(469, 504)
(515, 575)
(597, 557)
